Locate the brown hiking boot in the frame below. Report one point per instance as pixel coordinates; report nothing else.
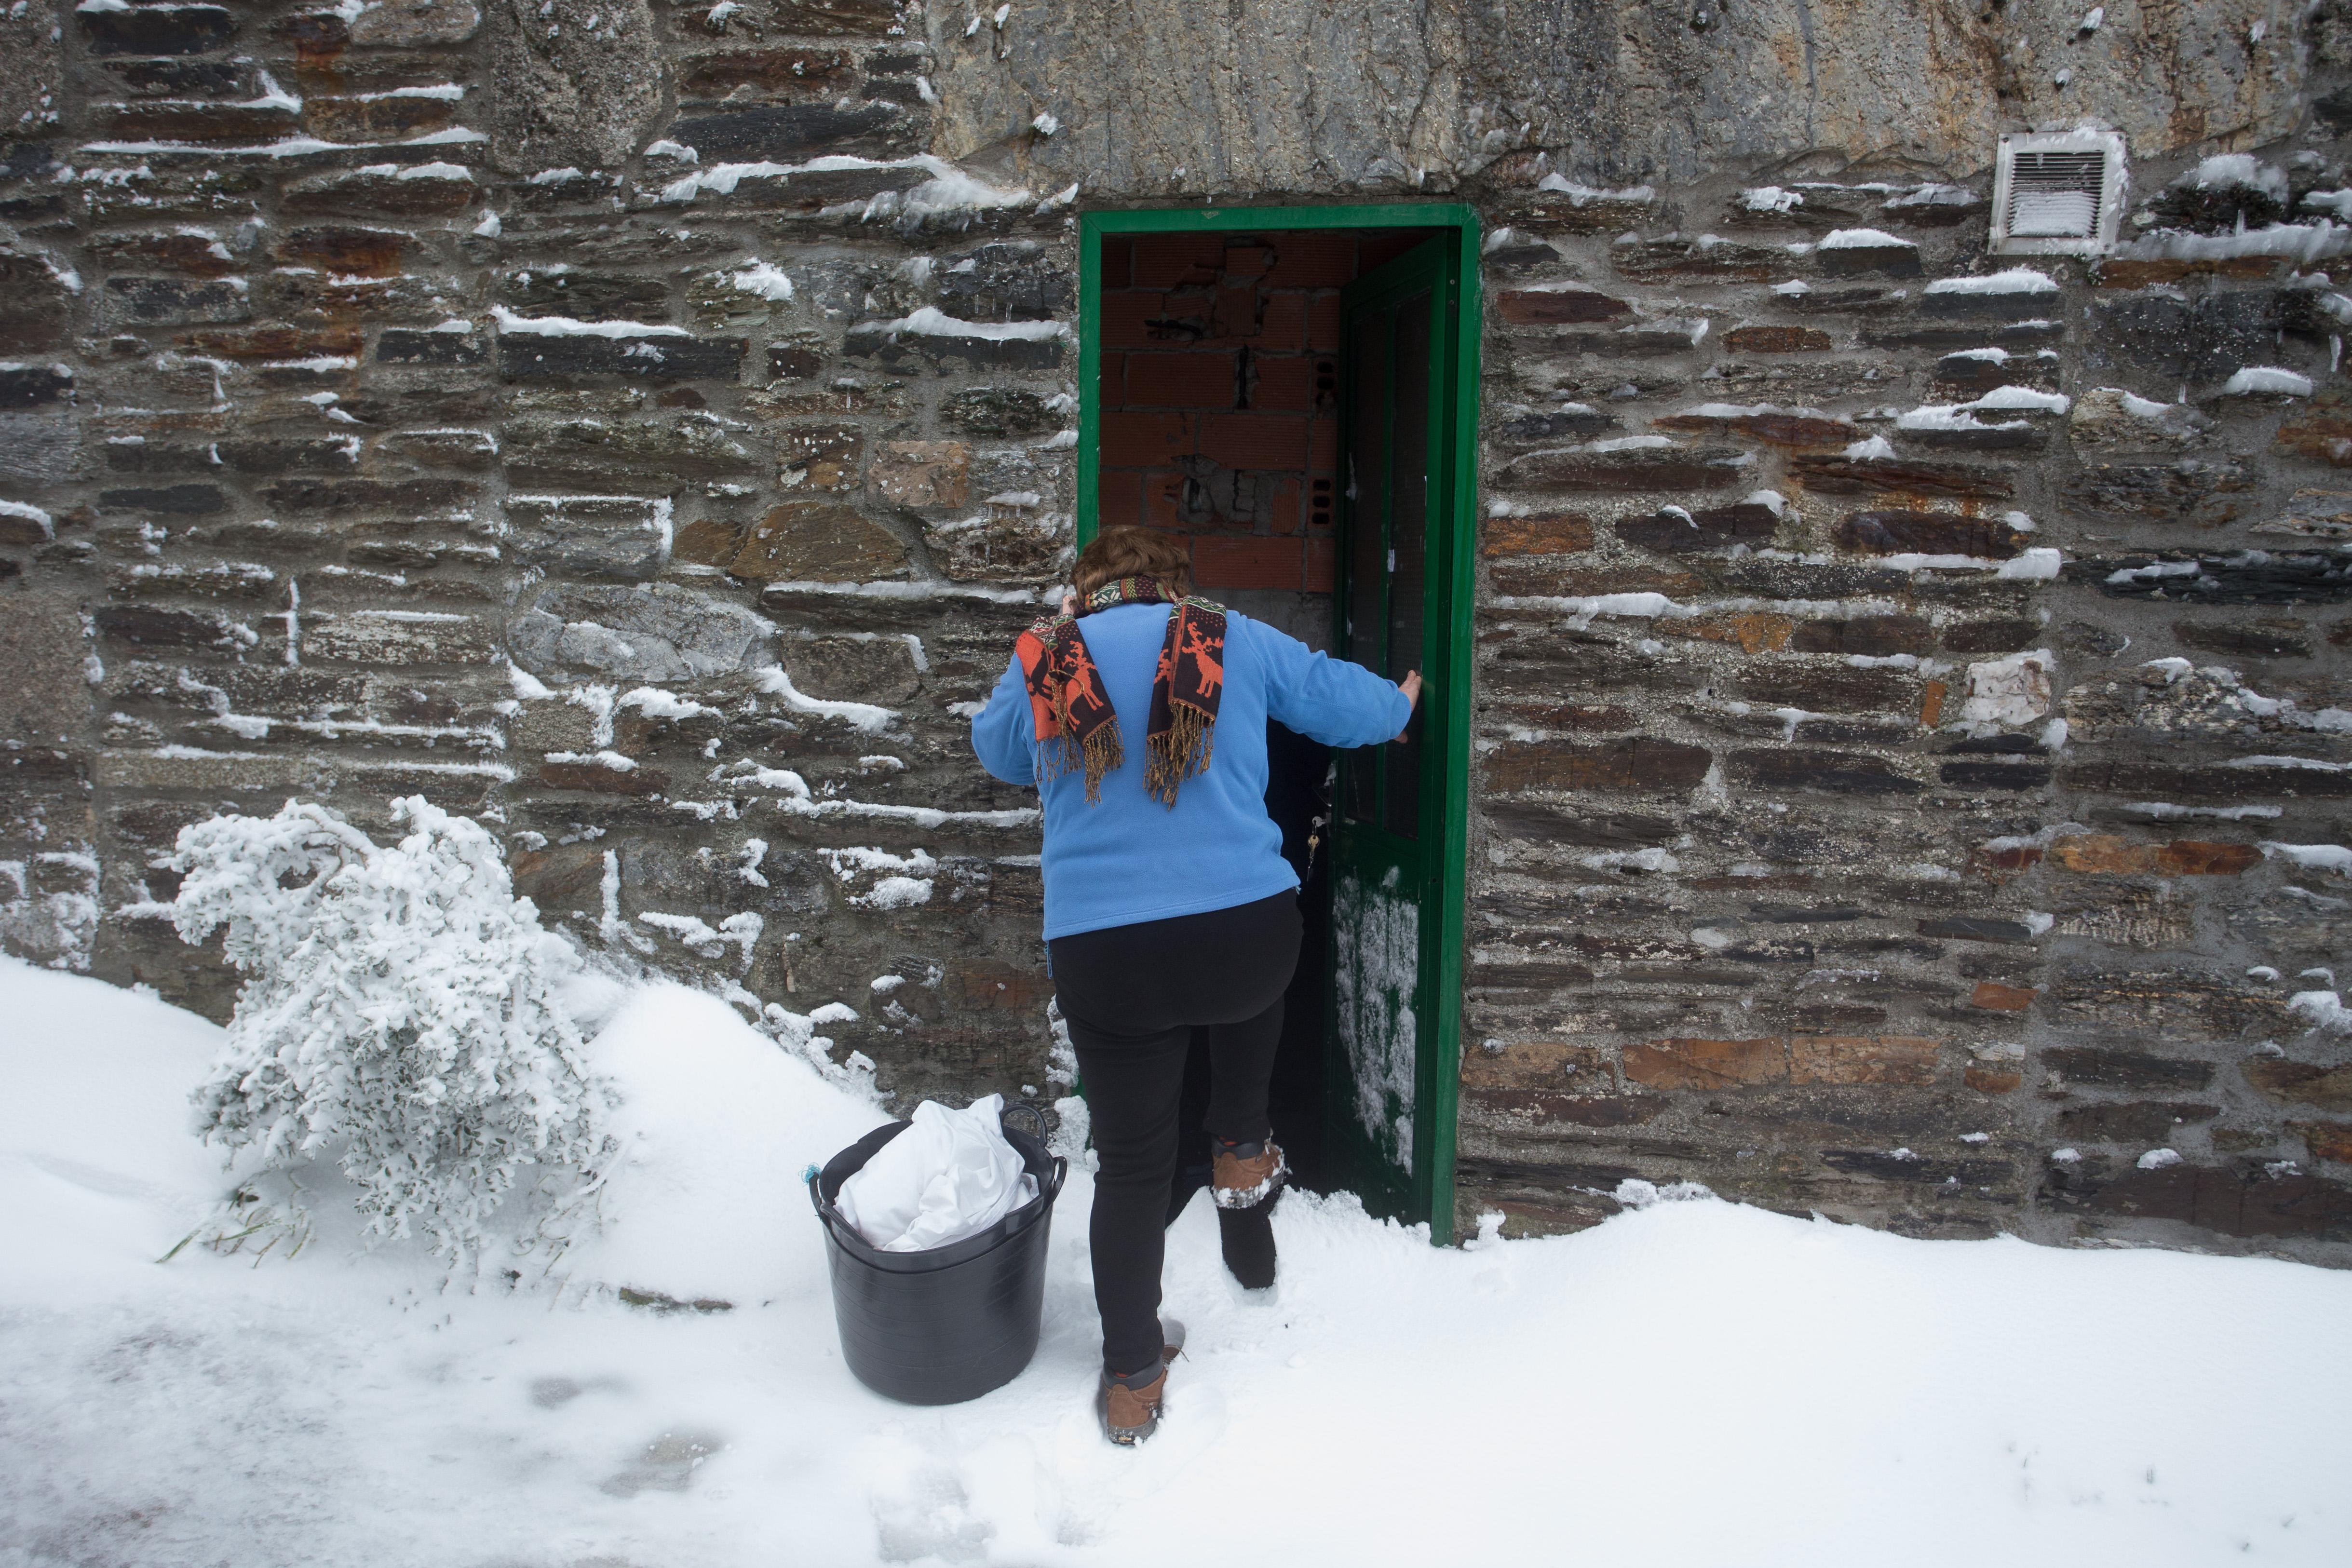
(1131, 1414)
(1130, 1404)
(1243, 1175)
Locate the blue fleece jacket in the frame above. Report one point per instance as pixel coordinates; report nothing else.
(1130, 859)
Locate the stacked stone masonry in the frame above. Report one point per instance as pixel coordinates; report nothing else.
(1912, 768)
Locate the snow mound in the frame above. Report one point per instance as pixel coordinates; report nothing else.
(716, 1123)
(100, 1165)
(1829, 1394)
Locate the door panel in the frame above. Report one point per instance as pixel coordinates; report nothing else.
(1410, 482)
(1365, 494)
(1375, 988)
(1385, 854)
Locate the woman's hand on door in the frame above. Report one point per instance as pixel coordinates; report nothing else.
(1411, 686)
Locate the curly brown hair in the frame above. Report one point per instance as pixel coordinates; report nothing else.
(1118, 553)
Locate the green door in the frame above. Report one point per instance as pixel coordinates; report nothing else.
(1390, 1116)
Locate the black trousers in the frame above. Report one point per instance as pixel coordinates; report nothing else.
(1133, 995)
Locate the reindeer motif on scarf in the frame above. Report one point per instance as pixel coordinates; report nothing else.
(1076, 728)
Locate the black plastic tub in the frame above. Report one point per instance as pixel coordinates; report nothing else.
(950, 1324)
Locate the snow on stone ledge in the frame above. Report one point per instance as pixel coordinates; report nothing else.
(1584, 608)
(569, 327)
(2267, 380)
(948, 189)
(2009, 693)
(2228, 169)
(655, 703)
(2333, 858)
(2022, 397)
(1864, 239)
(764, 278)
(32, 514)
(2323, 1010)
(2010, 280)
(866, 716)
(1999, 400)
(285, 147)
(1580, 196)
(2040, 564)
(2301, 243)
(931, 322)
(1932, 195)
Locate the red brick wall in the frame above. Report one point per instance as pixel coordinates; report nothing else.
(1220, 396)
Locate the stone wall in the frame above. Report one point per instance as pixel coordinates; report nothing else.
(352, 356)
(1911, 717)
(645, 426)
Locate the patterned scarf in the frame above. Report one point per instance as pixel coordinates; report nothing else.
(1074, 725)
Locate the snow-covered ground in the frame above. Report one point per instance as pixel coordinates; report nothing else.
(1694, 1382)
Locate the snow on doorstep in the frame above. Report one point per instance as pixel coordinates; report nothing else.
(342, 1411)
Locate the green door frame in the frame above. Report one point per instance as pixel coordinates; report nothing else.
(1458, 452)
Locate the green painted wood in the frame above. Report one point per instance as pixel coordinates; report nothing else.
(1388, 869)
(1089, 516)
(1427, 1193)
(1456, 618)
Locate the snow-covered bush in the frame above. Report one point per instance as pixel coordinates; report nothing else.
(398, 1016)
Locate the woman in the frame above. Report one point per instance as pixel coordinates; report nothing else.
(1169, 905)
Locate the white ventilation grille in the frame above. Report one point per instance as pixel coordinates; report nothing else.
(2058, 193)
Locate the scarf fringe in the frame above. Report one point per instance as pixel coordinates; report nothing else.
(1181, 737)
(1101, 752)
(1178, 753)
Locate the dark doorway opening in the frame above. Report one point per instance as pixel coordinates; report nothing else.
(1294, 389)
(1221, 381)
(1297, 795)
